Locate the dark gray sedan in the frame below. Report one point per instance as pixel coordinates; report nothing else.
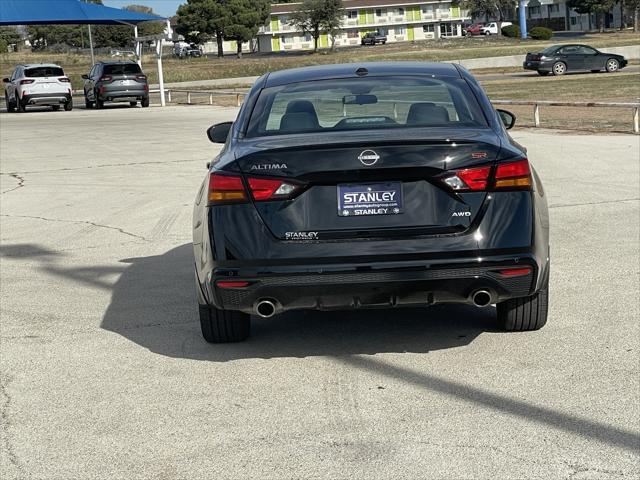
(560, 59)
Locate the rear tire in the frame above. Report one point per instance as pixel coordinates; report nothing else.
(223, 326)
(20, 106)
(55, 108)
(133, 104)
(87, 103)
(526, 313)
(68, 106)
(559, 68)
(10, 106)
(543, 73)
(144, 102)
(99, 103)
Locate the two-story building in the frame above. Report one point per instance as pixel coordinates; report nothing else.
(399, 20)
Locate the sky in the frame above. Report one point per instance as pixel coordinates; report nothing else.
(165, 8)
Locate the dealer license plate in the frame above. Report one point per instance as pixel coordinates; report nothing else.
(370, 199)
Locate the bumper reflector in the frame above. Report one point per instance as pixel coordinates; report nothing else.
(515, 272)
(232, 284)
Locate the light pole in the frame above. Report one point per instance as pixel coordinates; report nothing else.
(523, 19)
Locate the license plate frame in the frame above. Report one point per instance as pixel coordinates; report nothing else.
(370, 199)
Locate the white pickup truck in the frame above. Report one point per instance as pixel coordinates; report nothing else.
(492, 28)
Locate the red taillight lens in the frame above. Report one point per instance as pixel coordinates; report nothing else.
(469, 179)
(105, 78)
(513, 175)
(226, 189)
(270, 189)
(475, 178)
(64, 79)
(506, 176)
(26, 82)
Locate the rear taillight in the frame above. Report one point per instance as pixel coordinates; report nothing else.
(511, 175)
(224, 188)
(26, 81)
(270, 189)
(141, 78)
(105, 78)
(64, 79)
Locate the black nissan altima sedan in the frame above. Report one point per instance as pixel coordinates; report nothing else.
(560, 59)
(378, 185)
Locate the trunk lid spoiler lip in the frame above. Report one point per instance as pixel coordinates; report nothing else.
(432, 135)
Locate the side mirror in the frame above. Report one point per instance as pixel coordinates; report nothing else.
(508, 118)
(6, 80)
(85, 76)
(219, 132)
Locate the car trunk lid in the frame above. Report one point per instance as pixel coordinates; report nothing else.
(356, 185)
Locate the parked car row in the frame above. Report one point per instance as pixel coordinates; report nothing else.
(46, 84)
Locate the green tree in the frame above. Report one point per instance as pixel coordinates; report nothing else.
(500, 9)
(634, 6)
(246, 17)
(316, 17)
(41, 36)
(201, 20)
(8, 36)
(599, 7)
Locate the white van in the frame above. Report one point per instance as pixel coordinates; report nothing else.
(492, 28)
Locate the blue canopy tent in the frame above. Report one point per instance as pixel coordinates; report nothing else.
(40, 12)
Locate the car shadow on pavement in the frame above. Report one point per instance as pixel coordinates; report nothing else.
(153, 304)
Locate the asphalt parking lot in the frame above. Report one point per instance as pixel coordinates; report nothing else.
(104, 373)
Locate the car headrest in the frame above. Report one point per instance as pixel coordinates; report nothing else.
(427, 113)
(302, 106)
(298, 122)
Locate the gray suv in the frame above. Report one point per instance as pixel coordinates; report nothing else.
(116, 81)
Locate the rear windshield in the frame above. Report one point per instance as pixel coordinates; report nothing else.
(372, 103)
(43, 72)
(122, 69)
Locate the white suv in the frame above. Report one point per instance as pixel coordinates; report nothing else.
(37, 84)
(492, 28)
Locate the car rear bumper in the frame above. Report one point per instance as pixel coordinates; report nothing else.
(123, 94)
(382, 284)
(46, 98)
(537, 65)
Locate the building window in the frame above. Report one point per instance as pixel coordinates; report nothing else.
(534, 10)
(446, 30)
(306, 38)
(574, 20)
(352, 14)
(285, 40)
(353, 34)
(427, 10)
(430, 28)
(398, 12)
(555, 8)
(399, 30)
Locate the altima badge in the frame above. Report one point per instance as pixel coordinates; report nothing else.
(368, 157)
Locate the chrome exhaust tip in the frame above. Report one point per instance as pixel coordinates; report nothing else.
(265, 308)
(481, 298)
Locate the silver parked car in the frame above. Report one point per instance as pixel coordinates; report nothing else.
(41, 84)
(115, 81)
